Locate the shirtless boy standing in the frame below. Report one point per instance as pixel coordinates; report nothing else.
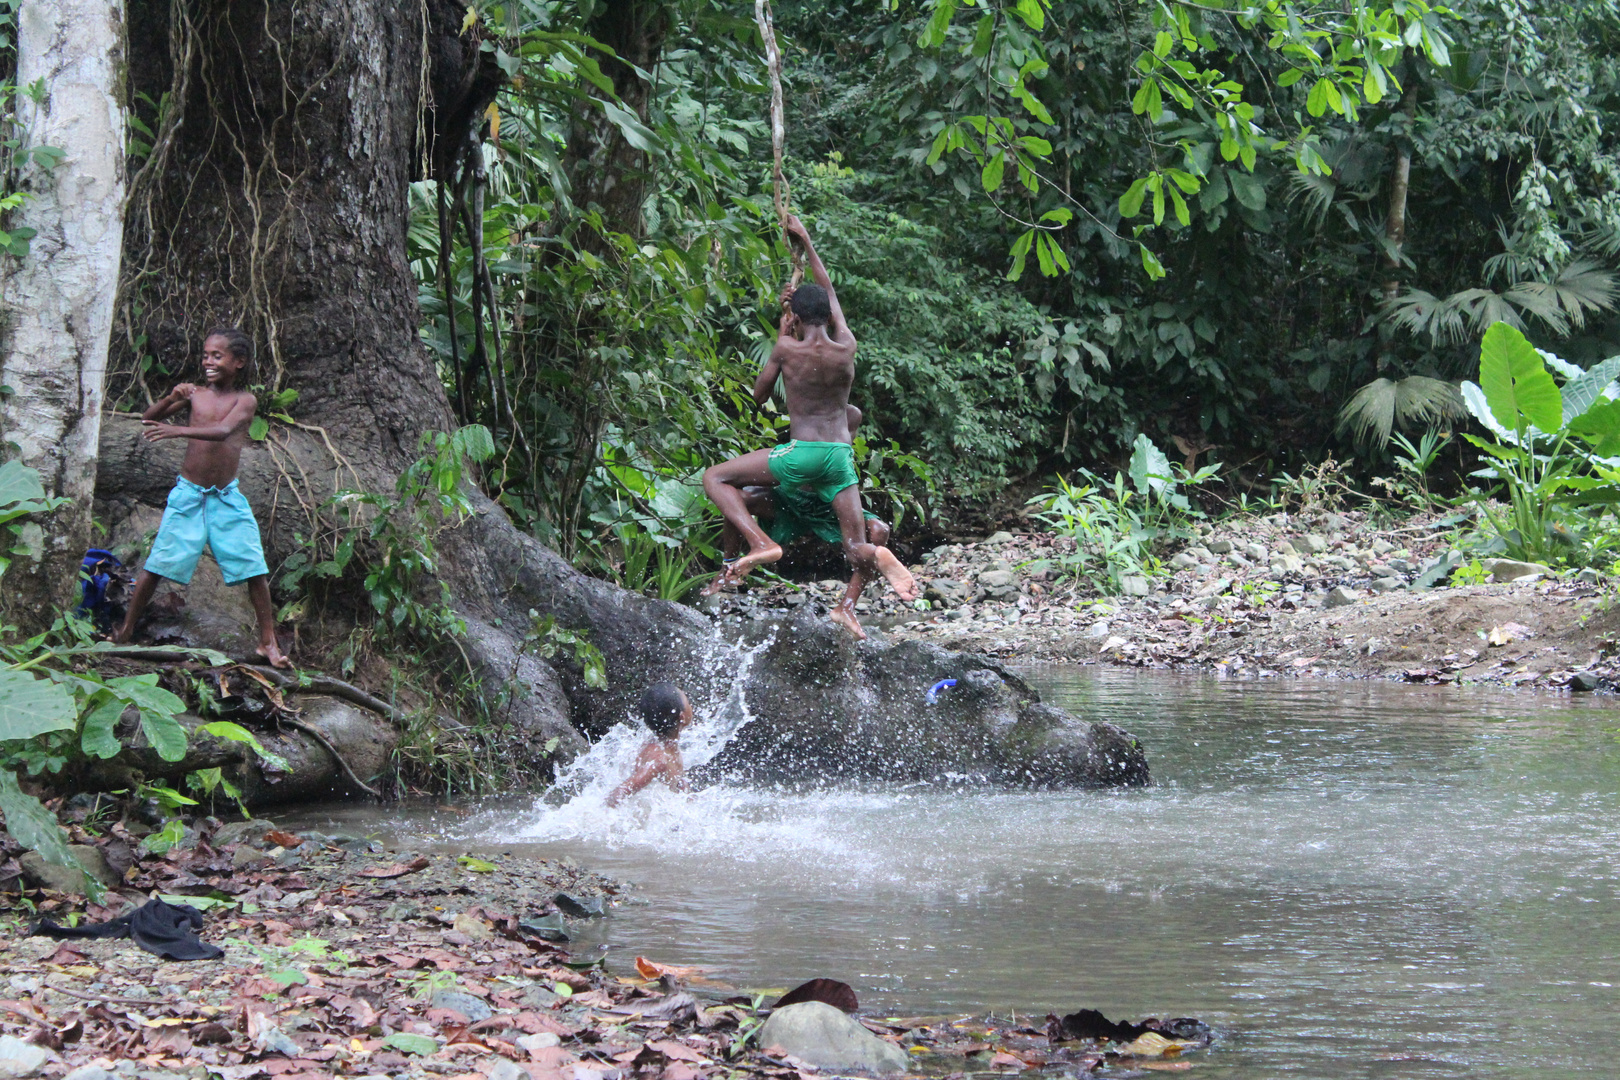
(205, 506)
(817, 368)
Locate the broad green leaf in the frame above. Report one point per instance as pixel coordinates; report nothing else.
(30, 706)
(933, 34)
(1584, 389)
(258, 428)
(476, 442)
(1150, 468)
(1517, 387)
(1032, 13)
(165, 734)
(19, 483)
(99, 736)
(35, 827)
(635, 133)
(408, 1043)
(225, 729)
(991, 176)
(1151, 263)
(1130, 203)
(1600, 426)
(1249, 189)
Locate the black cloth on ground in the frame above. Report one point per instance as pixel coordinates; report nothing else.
(166, 930)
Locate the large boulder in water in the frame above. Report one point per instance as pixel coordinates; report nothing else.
(824, 706)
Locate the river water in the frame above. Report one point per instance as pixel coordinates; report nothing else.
(1343, 879)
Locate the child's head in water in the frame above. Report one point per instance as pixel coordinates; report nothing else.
(665, 709)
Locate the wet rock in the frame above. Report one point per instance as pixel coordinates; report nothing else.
(546, 927)
(1339, 596)
(68, 879)
(1511, 570)
(473, 1008)
(1584, 681)
(820, 1035)
(580, 907)
(22, 1059)
(235, 832)
(537, 705)
(825, 707)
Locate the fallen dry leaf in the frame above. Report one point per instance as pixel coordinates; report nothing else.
(397, 869)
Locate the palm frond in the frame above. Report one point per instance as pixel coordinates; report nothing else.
(1316, 193)
(1374, 411)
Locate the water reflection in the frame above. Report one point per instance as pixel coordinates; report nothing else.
(1347, 879)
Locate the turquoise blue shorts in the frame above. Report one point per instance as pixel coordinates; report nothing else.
(219, 517)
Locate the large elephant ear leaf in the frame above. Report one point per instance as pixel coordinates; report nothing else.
(1586, 387)
(35, 827)
(1517, 387)
(30, 706)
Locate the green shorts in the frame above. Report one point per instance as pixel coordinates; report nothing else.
(809, 476)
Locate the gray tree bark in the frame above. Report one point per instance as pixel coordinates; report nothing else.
(58, 300)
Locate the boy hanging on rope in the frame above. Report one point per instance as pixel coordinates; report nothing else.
(205, 506)
(786, 523)
(815, 358)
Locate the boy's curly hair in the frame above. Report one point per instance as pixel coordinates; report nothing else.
(661, 708)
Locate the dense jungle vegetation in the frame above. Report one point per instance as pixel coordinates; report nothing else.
(1054, 227)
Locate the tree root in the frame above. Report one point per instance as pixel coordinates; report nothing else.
(325, 684)
(314, 733)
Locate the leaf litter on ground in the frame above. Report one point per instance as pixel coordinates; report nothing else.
(342, 959)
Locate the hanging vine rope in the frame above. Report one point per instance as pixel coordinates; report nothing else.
(779, 185)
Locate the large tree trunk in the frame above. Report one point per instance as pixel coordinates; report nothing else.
(282, 203)
(58, 299)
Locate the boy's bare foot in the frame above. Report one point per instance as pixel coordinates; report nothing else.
(843, 613)
(738, 569)
(271, 651)
(896, 574)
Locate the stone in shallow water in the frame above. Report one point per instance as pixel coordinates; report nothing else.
(820, 1035)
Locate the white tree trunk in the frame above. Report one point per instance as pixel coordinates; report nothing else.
(58, 300)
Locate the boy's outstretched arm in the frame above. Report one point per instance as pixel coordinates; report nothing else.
(818, 274)
(170, 403)
(238, 418)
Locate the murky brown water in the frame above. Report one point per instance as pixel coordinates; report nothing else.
(1346, 880)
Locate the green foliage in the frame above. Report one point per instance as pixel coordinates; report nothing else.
(393, 537)
(1119, 527)
(54, 711)
(550, 640)
(1546, 454)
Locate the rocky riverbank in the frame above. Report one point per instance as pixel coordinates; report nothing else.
(344, 958)
(1338, 595)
